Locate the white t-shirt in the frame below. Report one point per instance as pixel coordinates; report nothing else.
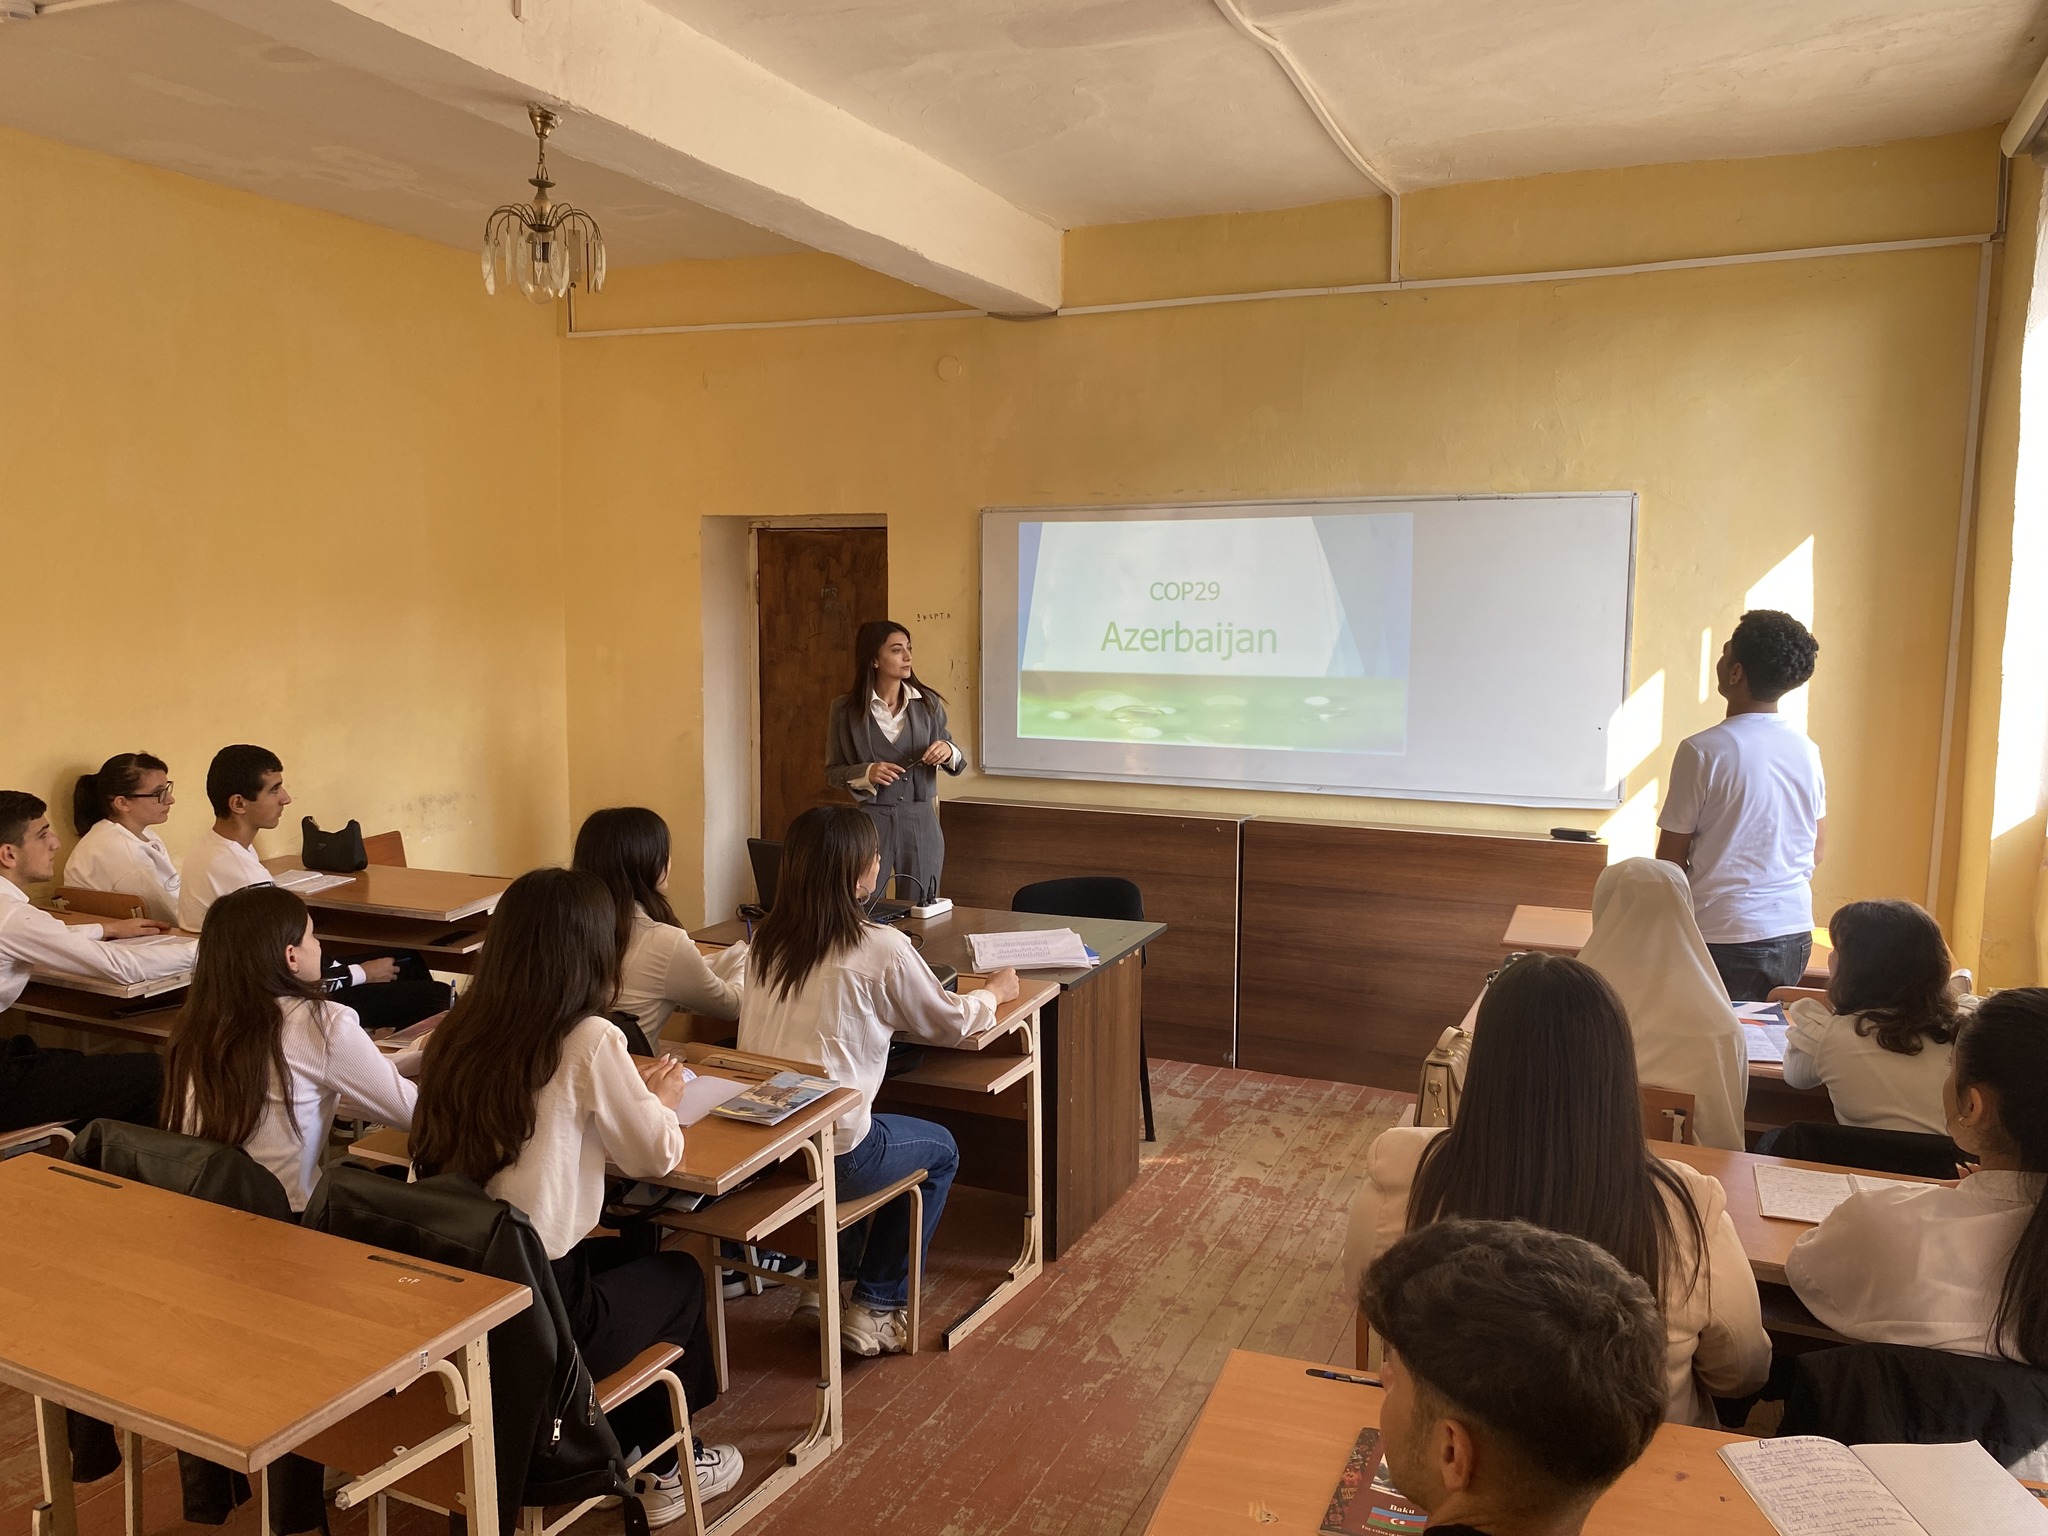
(663, 971)
(1750, 793)
(844, 1014)
(594, 1108)
(111, 858)
(215, 866)
(1869, 1085)
(332, 1065)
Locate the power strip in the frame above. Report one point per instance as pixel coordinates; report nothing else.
(933, 908)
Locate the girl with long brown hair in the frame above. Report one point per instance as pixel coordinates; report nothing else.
(1550, 1131)
(259, 1058)
(528, 1090)
(832, 988)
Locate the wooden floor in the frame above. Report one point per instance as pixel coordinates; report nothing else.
(1067, 1413)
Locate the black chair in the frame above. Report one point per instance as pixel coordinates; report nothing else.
(1114, 899)
(1916, 1154)
(1861, 1394)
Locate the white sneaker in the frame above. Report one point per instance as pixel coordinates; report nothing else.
(662, 1497)
(867, 1332)
(718, 1469)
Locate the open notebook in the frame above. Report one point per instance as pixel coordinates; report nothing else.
(1809, 1486)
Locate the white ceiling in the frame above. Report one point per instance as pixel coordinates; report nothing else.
(1103, 111)
(159, 82)
(1077, 111)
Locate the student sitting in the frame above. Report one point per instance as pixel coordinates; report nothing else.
(527, 1089)
(830, 988)
(1687, 1036)
(39, 1085)
(1965, 1268)
(627, 848)
(259, 1058)
(1549, 1130)
(246, 786)
(1522, 1374)
(1882, 1041)
(117, 812)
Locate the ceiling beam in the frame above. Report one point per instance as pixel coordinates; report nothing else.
(642, 94)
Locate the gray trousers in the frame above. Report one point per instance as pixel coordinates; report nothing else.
(911, 844)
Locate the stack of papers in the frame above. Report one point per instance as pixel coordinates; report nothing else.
(1763, 1027)
(1036, 949)
(303, 882)
(1807, 1194)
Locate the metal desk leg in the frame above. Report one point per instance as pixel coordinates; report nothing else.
(1031, 1257)
(480, 1450)
(57, 1515)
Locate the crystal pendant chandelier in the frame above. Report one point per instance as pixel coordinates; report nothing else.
(543, 246)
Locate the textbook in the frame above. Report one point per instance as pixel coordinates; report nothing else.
(303, 882)
(774, 1101)
(1366, 1500)
(1810, 1486)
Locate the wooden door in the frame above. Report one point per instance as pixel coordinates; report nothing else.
(814, 588)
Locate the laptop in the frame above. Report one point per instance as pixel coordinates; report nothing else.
(766, 858)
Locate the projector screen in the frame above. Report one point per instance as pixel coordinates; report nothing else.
(1452, 648)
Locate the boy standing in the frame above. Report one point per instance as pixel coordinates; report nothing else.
(1746, 815)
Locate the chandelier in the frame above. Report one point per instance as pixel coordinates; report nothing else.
(543, 246)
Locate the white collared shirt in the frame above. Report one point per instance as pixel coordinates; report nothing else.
(215, 866)
(891, 723)
(848, 1008)
(111, 858)
(333, 1067)
(594, 1108)
(1867, 1084)
(30, 937)
(664, 970)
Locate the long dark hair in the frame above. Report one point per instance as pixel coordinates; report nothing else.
(2003, 1049)
(816, 915)
(626, 846)
(868, 641)
(551, 961)
(1892, 970)
(1550, 1128)
(92, 797)
(227, 1044)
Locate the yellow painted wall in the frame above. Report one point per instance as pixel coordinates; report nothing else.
(271, 475)
(1752, 408)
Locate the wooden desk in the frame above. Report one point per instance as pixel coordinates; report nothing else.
(1564, 931)
(441, 916)
(720, 1155)
(1272, 1441)
(231, 1336)
(1088, 1050)
(147, 1019)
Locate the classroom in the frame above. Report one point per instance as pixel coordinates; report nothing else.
(1192, 764)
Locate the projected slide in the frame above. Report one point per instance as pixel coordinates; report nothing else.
(1282, 634)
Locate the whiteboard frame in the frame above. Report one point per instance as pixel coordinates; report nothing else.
(1078, 512)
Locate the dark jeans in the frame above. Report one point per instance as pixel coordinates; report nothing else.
(38, 1085)
(879, 1258)
(413, 996)
(622, 1298)
(1750, 971)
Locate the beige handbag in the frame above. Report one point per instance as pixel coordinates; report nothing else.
(1443, 1078)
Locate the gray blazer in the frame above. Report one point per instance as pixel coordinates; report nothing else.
(852, 742)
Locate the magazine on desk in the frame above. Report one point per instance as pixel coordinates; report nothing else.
(774, 1101)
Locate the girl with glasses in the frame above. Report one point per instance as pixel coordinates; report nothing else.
(117, 812)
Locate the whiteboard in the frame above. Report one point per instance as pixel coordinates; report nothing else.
(1467, 648)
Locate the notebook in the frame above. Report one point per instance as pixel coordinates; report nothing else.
(774, 1101)
(1366, 1501)
(1807, 1194)
(1033, 949)
(701, 1095)
(302, 882)
(1809, 1486)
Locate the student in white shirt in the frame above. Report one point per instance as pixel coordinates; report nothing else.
(1882, 1041)
(527, 1089)
(627, 847)
(1687, 1037)
(245, 785)
(1965, 1268)
(1549, 1131)
(117, 812)
(39, 1085)
(259, 1058)
(1746, 815)
(830, 988)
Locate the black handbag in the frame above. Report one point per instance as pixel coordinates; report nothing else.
(339, 853)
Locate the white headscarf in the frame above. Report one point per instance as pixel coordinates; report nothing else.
(1647, 945)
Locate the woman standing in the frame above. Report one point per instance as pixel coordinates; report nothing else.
(887, 742)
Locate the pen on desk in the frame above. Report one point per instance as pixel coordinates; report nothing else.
(1356, 1381)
